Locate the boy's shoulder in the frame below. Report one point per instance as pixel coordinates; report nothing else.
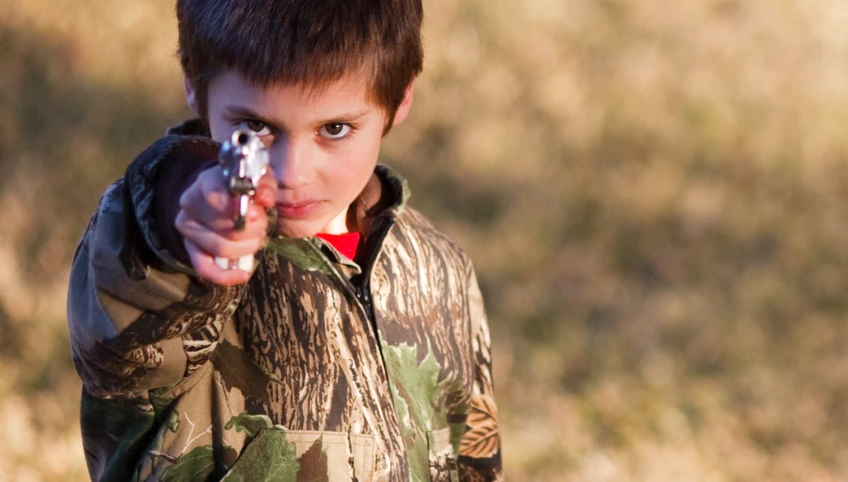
(416, 222)
(189, 127)
(429, 246)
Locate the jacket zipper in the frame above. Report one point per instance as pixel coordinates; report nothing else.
(362, 286)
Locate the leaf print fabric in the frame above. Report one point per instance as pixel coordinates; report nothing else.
(481, 440)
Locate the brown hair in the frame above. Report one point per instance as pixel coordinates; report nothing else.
(303, 42)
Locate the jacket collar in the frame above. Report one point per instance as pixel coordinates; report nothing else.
(385, 195)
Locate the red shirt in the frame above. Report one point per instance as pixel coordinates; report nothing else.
(347, 243)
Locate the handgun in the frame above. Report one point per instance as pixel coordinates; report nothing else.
(244, 160)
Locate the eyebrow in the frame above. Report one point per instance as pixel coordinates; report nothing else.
(248, 113)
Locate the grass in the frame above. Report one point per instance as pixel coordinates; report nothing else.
(654, 195)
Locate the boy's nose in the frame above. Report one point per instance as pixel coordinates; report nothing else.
(293, 165)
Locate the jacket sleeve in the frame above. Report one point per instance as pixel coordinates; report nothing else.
(138, 317)
(480, 447)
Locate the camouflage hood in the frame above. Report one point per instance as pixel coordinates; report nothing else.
(316, 369)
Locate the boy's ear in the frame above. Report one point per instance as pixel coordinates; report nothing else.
(191, 96)
(405, 104)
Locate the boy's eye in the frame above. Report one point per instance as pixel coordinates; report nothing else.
(260, 128)
(336, 130)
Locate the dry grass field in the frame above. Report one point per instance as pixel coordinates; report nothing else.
(655, 195)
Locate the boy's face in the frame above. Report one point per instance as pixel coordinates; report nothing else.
(323, 144)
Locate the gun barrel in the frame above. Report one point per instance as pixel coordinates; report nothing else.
(244, 160)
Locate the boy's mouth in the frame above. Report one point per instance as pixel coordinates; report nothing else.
(300, 209)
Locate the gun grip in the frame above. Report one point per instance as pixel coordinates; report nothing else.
(245, 263)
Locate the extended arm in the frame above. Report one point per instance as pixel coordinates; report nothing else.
(480, 447)
(138, 316)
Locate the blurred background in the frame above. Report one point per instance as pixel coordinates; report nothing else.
(655, 195)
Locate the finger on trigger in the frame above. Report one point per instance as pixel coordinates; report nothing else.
(256, 213)
(266, 191)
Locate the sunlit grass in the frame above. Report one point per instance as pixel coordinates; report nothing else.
(654, 194)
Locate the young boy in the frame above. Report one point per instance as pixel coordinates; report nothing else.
(357, 349)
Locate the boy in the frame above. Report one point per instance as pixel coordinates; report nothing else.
(357, 349)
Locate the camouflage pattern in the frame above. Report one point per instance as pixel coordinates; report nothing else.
(317, 369)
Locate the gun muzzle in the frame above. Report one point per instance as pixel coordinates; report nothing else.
(244, 160)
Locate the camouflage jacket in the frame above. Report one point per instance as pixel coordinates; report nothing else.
(317, 369)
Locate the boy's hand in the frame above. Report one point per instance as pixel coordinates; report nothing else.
(206, 223)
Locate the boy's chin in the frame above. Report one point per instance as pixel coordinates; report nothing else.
(290, 229)
(310, 226)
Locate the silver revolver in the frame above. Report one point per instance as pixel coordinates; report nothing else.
(244, 160)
